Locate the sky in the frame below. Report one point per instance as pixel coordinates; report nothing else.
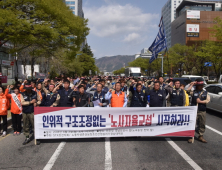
(121, 27)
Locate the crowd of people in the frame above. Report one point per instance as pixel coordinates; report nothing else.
(96, 91)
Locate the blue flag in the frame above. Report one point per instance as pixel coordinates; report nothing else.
(159, 43)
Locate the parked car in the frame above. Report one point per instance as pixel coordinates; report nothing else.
(194, 77)
(215, 92)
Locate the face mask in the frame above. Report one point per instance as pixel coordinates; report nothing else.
(108, 81)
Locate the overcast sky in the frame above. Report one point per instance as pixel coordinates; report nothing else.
(122, 27)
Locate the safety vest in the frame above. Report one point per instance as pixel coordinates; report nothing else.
(117, 101)
(4, 104)
(176, 99)
(202, 96)
(29, 98)
(50, 99)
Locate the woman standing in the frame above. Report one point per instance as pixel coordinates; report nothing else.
(16, 109)
(4, 104)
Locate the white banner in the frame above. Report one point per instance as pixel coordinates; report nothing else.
(193, 28)
(56, 123)
(193, 14)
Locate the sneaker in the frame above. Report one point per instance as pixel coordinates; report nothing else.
(14, 133)
(18, 133)
(4, 134)
(27, 140)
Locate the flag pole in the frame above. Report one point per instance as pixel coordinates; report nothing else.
(162, 65)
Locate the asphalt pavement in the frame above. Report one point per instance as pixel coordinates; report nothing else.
(133, 153)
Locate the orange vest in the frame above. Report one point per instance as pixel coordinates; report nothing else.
(117, 101)
(40, 94)
(4, 104)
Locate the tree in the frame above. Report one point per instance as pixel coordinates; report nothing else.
(87, 63)
(87, 50)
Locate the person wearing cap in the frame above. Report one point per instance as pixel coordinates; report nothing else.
(176, 94)
(116, 97)
(16, 109)
(157, 97)
(98, 94)
(81, 99)
(4, 105)
(52, 99)
(33, 84)
(109, 83)
(123, 86)
(29, 100)
(200, 98)
(86, 80)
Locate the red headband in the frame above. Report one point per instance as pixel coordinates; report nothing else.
(200, 82)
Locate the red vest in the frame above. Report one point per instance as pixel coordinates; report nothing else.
(117, 101)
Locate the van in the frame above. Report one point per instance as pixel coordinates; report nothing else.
(194, 77)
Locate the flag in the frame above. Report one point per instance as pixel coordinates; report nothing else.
(159, 43)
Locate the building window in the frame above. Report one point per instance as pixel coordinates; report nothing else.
(73, 12)
(70, 2)
(72, 7)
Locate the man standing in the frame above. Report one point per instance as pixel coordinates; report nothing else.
(66, 95)
(82, 99)
(99, 94)
(139, 98)
(117, 98)
(51, 99)
(28, 100)
(177, 95)
(200, 98)
(157, 96)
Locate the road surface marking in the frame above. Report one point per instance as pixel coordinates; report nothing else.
(52, 160)
(4, 137)
(183, 154)
(108, 156)
(218, 132)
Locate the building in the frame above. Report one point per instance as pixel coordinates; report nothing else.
(169, 14)
(76, 7)
(145, 53)
(194, 20)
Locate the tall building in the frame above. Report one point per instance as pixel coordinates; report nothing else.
(194, 21)
(169, 15)
(76, 7)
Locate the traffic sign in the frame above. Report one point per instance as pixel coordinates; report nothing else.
(12, 63)
(90, 72)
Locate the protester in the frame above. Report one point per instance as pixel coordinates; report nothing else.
(200, 98)
(16, 109)
(139, 98)
(187, 103)
(33, 85)
(82, 99)
(52, 99)
(4, 105)
(65, 93)
(177, 95)
(29, 99)
(41, 93)
(116, 97)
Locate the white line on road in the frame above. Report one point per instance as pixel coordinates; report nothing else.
(108, 156)
(214, 130)
(183, 154)
(52, 160)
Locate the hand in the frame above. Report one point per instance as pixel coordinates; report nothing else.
(171, 84)
(25, 81)
(33, 101)
(101, 104)
(51, 106)
(94, 86)
(35, 104)
(11, 86)
(110, 90)
(198, 100)
(8, 87)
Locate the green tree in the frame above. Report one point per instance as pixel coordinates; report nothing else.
(87, 50)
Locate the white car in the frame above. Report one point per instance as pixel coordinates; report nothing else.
(215, 92)
(194, 77)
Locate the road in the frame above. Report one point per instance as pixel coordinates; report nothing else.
(116, 153)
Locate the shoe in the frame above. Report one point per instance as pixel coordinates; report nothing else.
(4, 134)
(200, 138)
(14, 133)
(27, 140)
(190, 140)
(18, 133)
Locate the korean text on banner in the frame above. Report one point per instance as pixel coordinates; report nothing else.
(56, 123)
